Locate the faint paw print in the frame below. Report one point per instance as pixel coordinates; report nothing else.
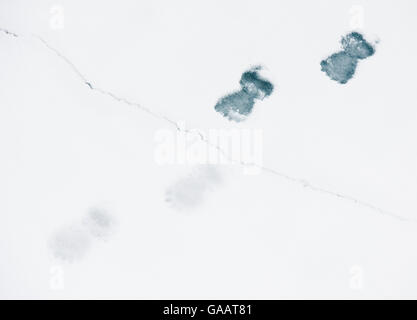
(357, 15)
(71, 243)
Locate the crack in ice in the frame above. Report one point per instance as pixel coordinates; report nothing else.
(8, 32)
(304, 183)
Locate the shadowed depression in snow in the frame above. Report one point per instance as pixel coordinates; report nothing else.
(189, 192)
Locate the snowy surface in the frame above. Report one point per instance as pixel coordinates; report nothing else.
(88, 211)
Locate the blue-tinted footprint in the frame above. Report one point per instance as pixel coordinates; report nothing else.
(341, 66)
(238, 105)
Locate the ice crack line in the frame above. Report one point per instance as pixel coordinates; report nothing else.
(8, 32)
(301, 182)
